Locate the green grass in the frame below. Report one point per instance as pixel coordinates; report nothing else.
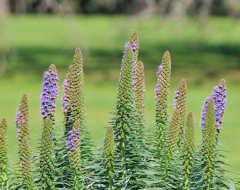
(201, 54)
(33, 42)
(100, 101)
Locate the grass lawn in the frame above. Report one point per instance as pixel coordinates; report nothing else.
(203, 54)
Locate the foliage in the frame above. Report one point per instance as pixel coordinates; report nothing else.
(132, 157)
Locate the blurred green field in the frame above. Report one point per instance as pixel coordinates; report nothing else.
(202, 54)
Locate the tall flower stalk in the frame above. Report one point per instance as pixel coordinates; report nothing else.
(23, 142)
(209, 145)
(49, 94)
(161, 99)
(124, 109)
(180, 103)
(73, 105)
(3, 155)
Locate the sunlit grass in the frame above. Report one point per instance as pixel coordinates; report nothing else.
(100, 101)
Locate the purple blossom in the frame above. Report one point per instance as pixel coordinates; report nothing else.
(219, 97)
(64, 97)
(20, 118)
(204, 111)
(49, 93)
(73, 137)
(176, 99)
(157, 89)
(134, 46)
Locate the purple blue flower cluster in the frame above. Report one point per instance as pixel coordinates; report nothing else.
(49, 93)
(73, 137)
(157, 89)
(219, 97)
(64, 96)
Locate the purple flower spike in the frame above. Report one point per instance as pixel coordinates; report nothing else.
(219, 97)
(204, 111)
(73, 137)
(49, 93)
(64, 96)
(157, 89)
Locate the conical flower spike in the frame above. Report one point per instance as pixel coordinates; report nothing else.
(3, 155)
(73, 96)
(49, 93)
(219, 97)
(23, 141)
(109, 156)
(180, 103)
(208, 146)
(123, 117)
(161, 98)
(77, 88)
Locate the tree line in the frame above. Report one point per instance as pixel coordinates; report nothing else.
(143, 7)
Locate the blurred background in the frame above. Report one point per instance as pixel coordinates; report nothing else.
(203, 37)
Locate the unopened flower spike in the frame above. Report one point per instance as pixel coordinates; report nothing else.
(23, 141)
(180, 103)
(161, 99)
